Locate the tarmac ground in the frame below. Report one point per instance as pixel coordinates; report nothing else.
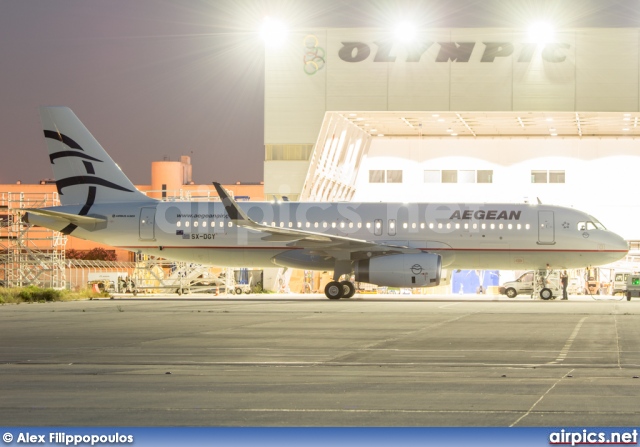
(303, 360)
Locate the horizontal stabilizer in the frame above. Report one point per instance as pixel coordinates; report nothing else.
(87, 222)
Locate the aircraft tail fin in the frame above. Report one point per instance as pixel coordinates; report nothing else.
(84, 172)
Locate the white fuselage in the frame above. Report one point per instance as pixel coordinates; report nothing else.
(469, 236)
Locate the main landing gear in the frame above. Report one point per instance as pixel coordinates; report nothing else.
(339, 289)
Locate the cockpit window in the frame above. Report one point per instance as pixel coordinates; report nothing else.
(590, 225)
(597, 223)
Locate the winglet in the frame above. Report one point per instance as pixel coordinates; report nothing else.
(231, 206)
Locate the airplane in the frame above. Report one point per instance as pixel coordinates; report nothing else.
(388, 244)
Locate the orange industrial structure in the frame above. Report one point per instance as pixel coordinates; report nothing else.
(170, 180)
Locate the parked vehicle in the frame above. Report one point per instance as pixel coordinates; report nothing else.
(550, 288)
(620, 282)
(633, 286)
(522, 285)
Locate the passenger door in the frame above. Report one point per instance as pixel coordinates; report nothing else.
(546, 231)
(147, 224)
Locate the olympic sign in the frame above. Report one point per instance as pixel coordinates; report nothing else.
(314, 55)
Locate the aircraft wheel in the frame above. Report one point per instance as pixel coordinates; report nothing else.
(348, 289)
(334, 290)
(238, 291)
(511, 292)
(546, 294)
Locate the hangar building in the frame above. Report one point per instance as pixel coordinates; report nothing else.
(457, 115)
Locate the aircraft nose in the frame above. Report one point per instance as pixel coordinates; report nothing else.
(624, 245)
(619, 244)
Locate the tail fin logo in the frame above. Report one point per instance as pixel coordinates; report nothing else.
(82, 179)
(87, 180)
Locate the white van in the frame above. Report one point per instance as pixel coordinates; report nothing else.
(524, 285)
(620, 282)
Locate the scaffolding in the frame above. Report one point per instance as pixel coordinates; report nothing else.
(30, 255)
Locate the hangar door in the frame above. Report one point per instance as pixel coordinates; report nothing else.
(546, 232)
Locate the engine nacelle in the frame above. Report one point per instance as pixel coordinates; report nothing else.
(411, 270)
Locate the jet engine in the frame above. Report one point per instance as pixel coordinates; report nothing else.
(403, 270)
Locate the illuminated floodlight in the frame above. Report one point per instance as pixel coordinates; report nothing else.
(405, 32)
(273, 32)
(541, 33)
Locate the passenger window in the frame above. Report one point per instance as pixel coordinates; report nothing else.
(377, 227)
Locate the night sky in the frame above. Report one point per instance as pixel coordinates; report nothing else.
(156, 79)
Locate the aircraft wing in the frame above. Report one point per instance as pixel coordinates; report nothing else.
(315, 242)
